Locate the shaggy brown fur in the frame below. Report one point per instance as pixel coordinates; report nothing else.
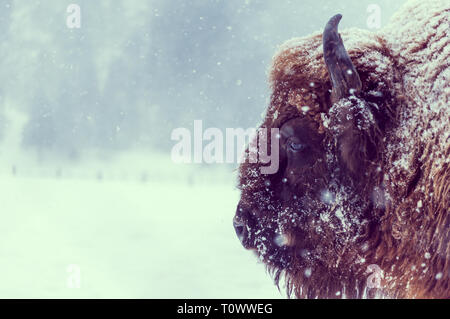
(378, 192)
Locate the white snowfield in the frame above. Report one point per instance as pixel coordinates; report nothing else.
(127, 238)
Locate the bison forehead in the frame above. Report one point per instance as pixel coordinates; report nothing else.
(299, 78)
(302, 58)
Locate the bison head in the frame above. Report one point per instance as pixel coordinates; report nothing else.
(311, 221)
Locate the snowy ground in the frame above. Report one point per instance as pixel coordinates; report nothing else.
(129, 238)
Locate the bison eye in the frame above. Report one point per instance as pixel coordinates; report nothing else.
(296, 147)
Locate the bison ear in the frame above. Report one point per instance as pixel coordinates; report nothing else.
(356, 134)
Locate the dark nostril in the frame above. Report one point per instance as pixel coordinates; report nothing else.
(238, 227)
(244, 225)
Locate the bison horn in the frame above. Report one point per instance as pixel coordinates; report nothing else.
(344, 78)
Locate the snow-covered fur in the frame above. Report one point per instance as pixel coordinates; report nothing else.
(384, 170)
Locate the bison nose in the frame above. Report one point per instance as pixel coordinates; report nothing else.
(238, 225)
(244, 225)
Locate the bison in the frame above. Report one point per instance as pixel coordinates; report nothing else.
(359, 206)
